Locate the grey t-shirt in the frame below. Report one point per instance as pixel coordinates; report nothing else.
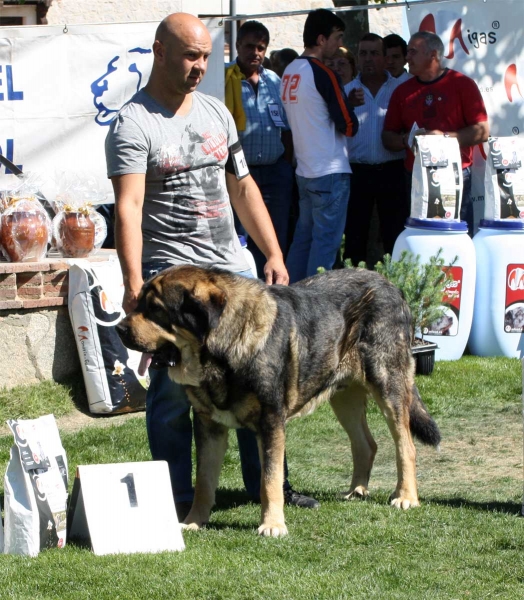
(187, 216)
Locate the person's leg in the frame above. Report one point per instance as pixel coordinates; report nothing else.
(279, 190)
(276, 185)
(329, 197)
(466, 208)
(294, 212)
(170, 431)
(249, 462)
(298, 255)
(358, 219)
(393, 209)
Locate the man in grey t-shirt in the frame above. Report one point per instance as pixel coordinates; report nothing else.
(186, 214)
(176, 167)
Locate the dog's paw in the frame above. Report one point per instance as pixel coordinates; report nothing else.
(404, 502)
(190, 526)
(360, 493)
(272, 530)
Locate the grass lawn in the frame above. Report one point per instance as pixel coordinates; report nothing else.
(465, 541)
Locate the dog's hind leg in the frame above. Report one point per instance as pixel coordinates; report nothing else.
(349, 405)
(211, 446)
(271, 444)
(395, 409)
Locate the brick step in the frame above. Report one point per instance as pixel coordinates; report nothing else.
(38, 284)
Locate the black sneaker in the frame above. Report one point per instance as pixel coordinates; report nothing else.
(182, 509)
(293, 498)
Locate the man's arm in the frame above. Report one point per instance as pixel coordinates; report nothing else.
(129, 199)
(339, 107)
(467, 136)
(252, 212)
(393, 141)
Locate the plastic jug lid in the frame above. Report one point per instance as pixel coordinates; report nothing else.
(242, 241)
(437, 224)
(506, 224)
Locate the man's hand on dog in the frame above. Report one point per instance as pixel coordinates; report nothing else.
(275, 271)
(130, 299)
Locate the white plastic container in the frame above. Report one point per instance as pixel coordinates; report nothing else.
(425, 237)
(248, 256)
(498, 316)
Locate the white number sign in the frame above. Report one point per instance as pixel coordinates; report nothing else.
(124, 508)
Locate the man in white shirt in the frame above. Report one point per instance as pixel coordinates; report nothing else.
(377, 174)
(321, 117)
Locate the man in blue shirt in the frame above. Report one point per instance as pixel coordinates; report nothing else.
(264, 133)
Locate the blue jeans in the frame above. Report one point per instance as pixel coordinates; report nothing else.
(323, 203)
(275, 183)
(170, 429)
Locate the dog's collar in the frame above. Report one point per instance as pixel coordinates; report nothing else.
(167, 356)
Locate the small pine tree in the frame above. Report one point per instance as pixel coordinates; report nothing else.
(423, 284)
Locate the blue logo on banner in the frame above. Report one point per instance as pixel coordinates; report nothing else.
(102, 87)
(12, 94)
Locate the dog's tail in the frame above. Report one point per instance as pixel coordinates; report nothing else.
(421, 423)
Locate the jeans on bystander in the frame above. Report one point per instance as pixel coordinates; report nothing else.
(323, 203)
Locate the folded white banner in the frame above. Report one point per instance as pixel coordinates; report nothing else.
(61, 87)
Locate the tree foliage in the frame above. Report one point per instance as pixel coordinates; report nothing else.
(422, 284)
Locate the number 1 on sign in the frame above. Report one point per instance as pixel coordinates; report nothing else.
(129, 480)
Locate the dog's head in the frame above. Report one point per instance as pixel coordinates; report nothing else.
(179, 304)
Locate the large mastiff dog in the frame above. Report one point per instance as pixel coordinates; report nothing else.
(251, 355)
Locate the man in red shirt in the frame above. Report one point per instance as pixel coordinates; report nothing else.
(442, 102)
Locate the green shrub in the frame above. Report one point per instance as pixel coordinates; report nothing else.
(422, 284)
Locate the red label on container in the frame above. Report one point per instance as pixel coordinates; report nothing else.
(514, 308)
(448, 323)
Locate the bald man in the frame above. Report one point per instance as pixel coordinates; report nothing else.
(176, 167)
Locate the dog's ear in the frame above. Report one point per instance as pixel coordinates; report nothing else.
(201, 312)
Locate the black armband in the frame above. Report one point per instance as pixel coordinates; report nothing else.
(236, 162)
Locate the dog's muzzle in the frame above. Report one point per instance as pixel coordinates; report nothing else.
(166, 356)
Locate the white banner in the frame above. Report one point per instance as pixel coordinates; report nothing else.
(60, 87)
(482, 39)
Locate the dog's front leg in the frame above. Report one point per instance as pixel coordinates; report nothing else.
(211, 446)
(271, 443)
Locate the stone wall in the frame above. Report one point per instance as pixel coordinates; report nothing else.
(74, 12)
(285, 31)
(385, 21)
(36, 339)
(36, 345)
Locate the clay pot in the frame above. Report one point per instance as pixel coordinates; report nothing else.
(24, 235)
(77, 234)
